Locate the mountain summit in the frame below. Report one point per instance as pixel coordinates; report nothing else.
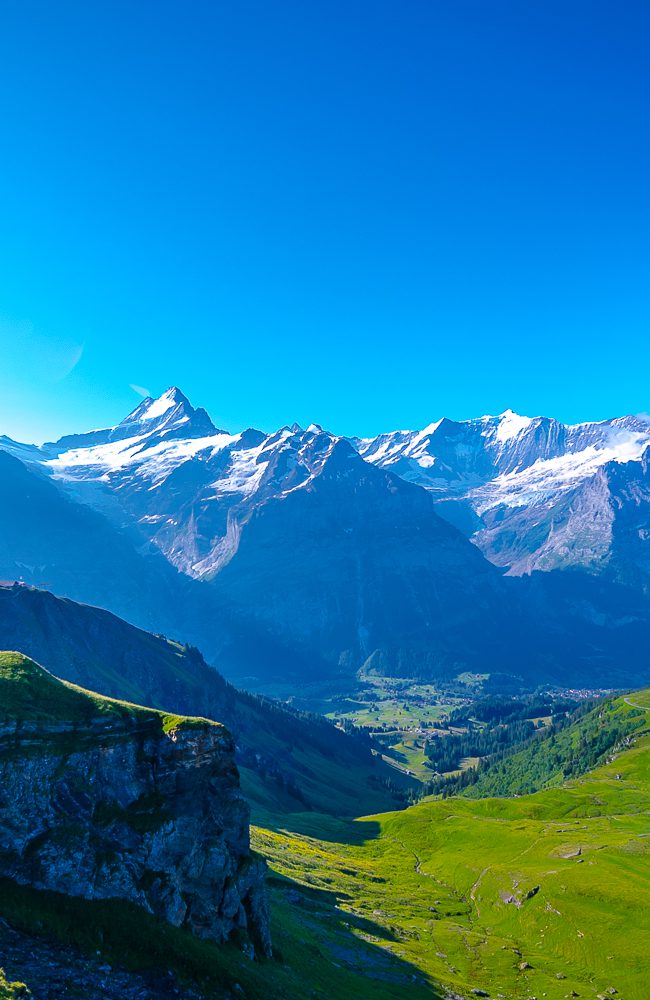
(171, 410)
(171, 415)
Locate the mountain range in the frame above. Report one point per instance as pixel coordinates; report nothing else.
(532, 493)
(504, 544)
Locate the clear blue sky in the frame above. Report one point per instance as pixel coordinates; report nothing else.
(364, 214)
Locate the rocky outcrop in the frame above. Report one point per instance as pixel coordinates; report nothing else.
(101, 800)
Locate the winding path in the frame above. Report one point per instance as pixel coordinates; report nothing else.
(472, 891)
(632, 704)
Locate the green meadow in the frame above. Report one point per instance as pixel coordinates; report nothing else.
(540, 895)
(395, 703)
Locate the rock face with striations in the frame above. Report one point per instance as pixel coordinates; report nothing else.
(102, 799)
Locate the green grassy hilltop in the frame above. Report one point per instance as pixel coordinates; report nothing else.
(29, 693)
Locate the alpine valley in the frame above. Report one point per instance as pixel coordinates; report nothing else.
(291, 715)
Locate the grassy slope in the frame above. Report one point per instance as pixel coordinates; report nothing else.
(304, 966)
(553, 756)
(429, 884)
(325, 782)
(28, 692)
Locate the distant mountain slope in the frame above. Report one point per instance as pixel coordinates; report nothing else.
(303, 760)
(50, 539)
(533, 493)
(355, 563)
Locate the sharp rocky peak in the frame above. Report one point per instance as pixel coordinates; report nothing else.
(170, 415)
(171, 407)
(170, 397)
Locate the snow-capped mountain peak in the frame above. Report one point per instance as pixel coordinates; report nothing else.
(171, 409)
(150, 408)
(456, 455)
(511, 424)
(515, 484)
(169, 416)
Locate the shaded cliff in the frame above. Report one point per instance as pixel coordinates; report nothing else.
(103, 799)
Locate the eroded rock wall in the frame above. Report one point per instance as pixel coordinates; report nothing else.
(123, 809)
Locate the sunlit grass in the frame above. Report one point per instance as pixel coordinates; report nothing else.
(538, 895)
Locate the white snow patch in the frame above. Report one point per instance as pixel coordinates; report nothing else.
(113, 455)
(152, 463)
(244, 474)
(511, 425)
(546, 477)
(159, 406)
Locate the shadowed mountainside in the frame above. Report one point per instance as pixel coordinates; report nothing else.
(298, 758)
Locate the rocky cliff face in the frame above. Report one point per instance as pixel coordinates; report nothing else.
(100, 799)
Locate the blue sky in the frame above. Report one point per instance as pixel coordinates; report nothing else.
(364, 214)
